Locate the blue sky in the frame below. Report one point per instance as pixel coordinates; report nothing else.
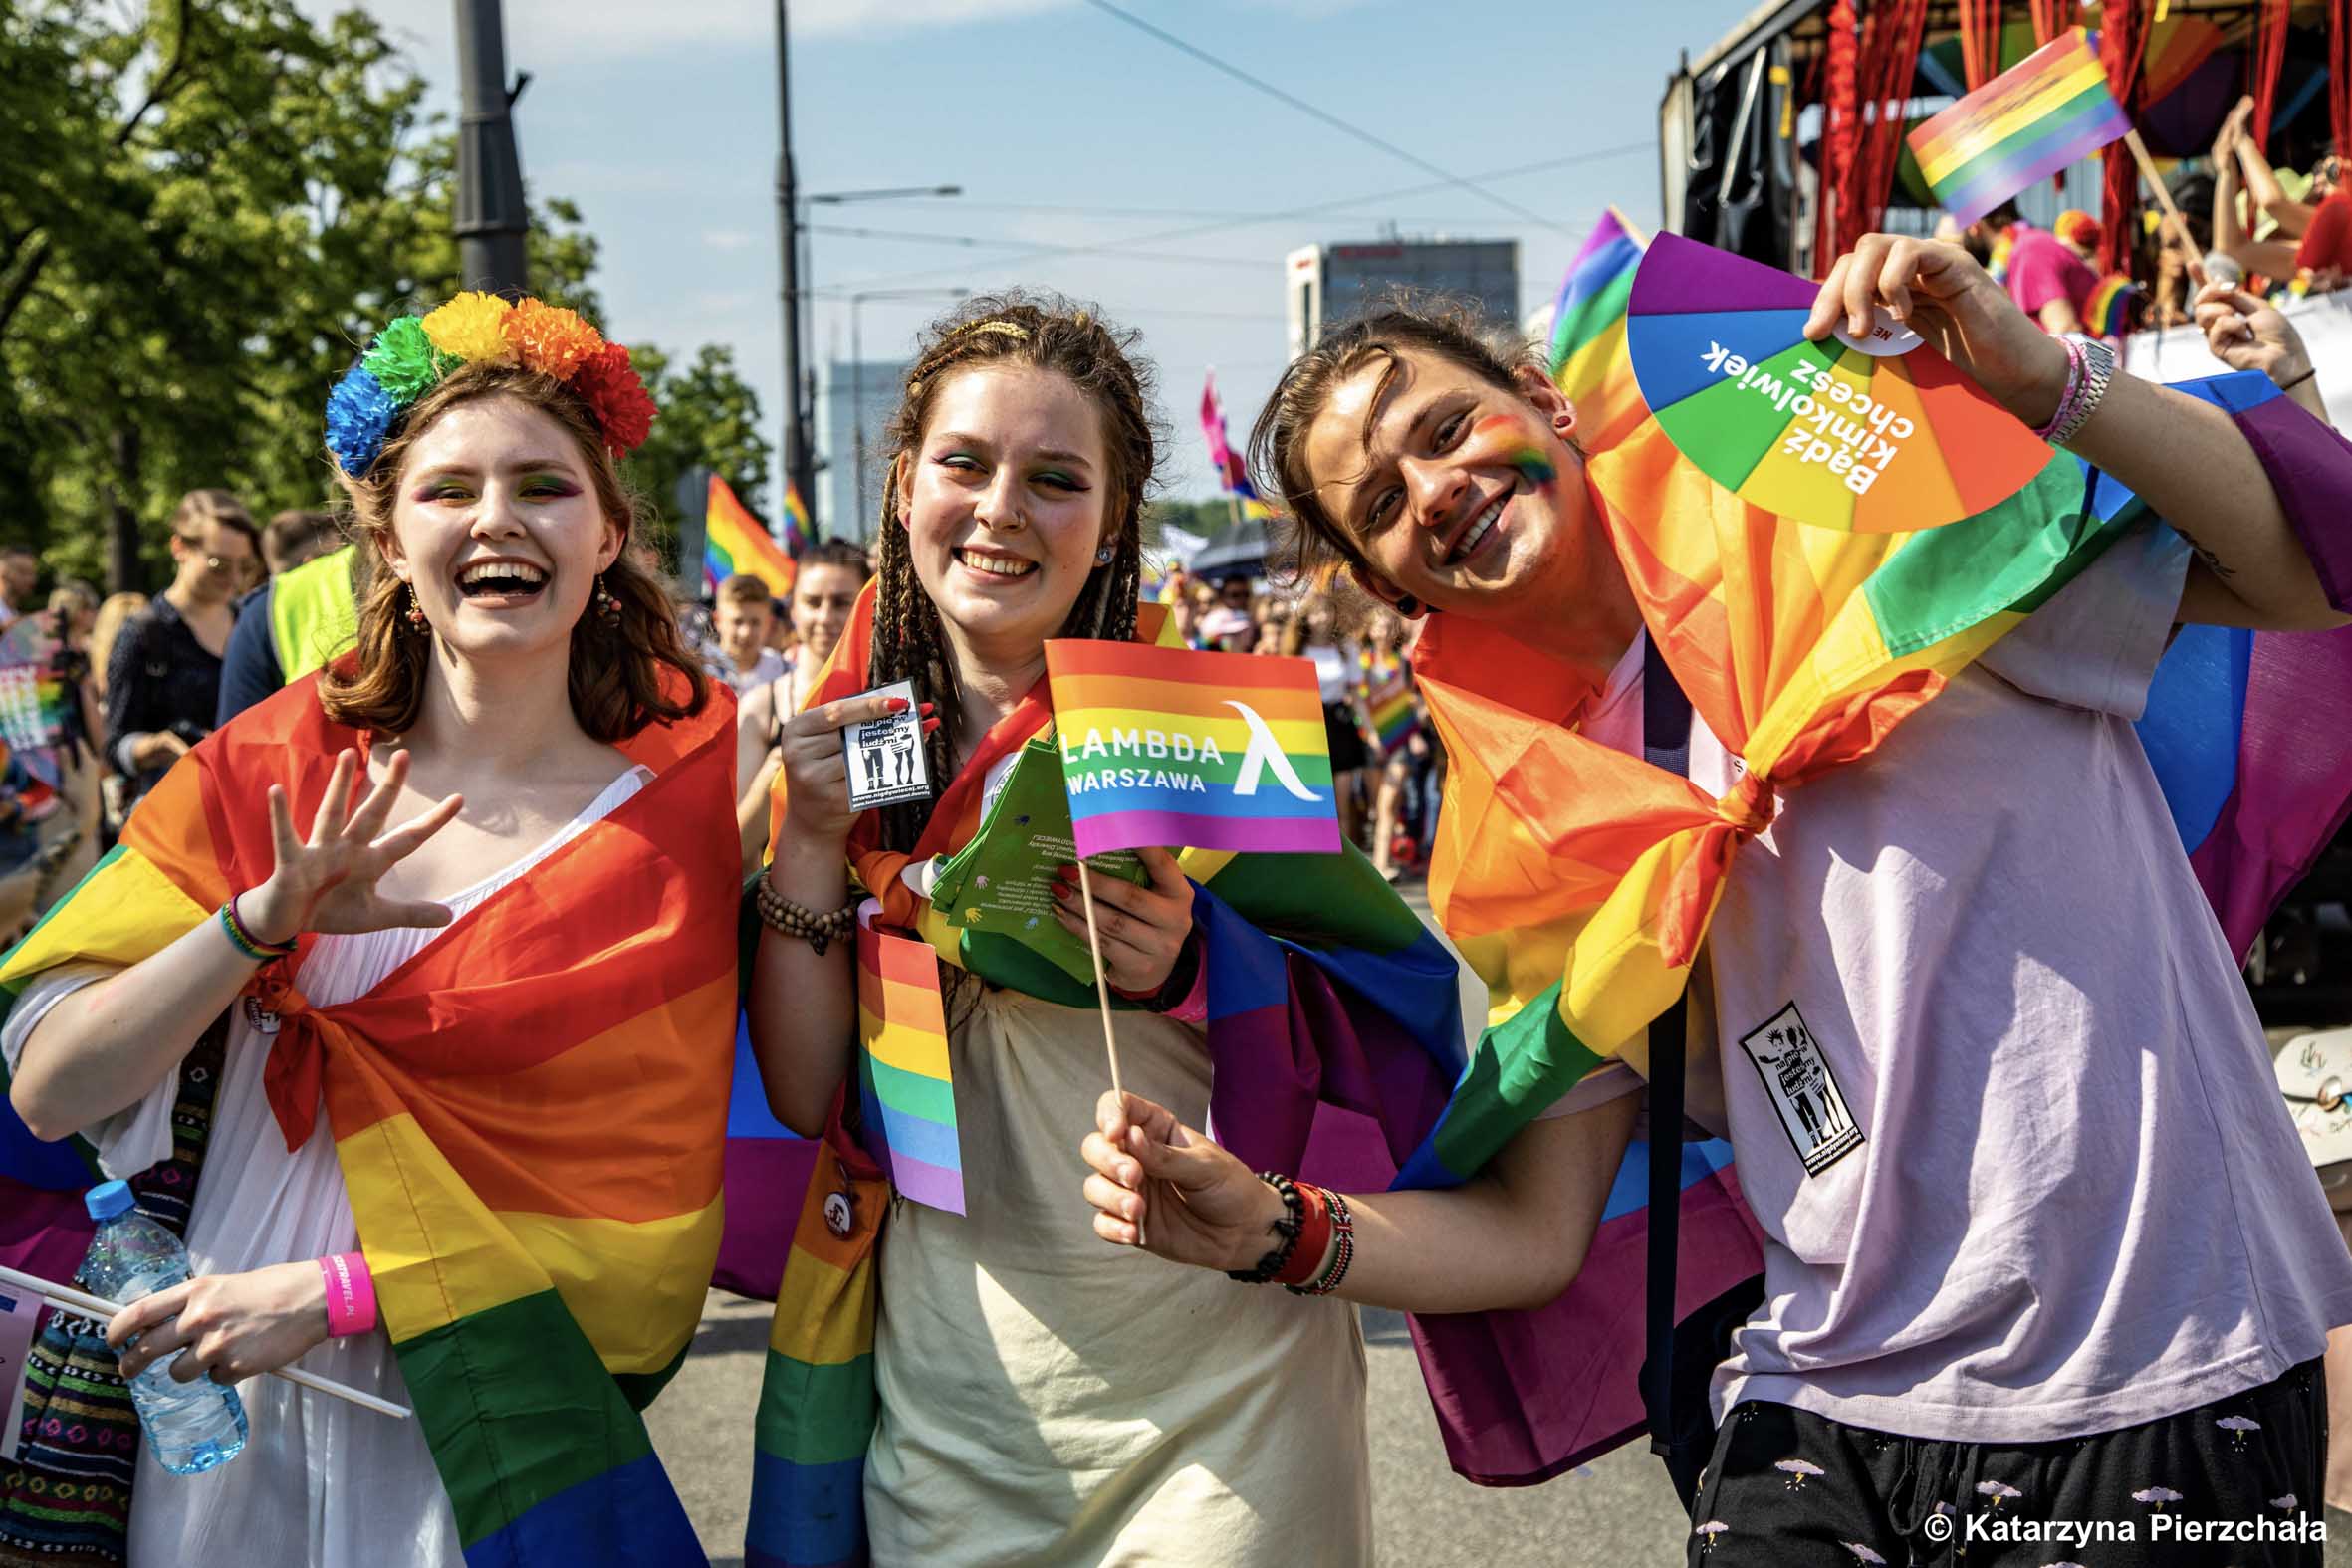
(1066, 127)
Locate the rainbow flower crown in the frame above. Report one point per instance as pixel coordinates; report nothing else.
(410, 357)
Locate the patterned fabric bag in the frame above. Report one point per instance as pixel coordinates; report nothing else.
(816, 1399)
(64, 1501)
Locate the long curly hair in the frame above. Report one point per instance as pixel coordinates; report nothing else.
(624, 669)
(1046, 332)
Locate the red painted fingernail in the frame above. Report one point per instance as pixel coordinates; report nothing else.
(1062, 891)
(926, 710)
(930, 725)
(895, 704)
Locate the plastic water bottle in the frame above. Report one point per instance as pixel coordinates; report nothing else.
(192, 1426)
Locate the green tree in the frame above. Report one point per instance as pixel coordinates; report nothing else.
(709, 419)
(204, 212)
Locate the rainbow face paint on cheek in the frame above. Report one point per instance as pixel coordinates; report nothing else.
(1540, 470)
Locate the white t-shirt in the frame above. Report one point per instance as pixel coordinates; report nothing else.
(1998, 1094)
(322, 1484)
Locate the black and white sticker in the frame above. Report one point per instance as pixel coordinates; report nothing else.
(886, 756)
(1804, 1090)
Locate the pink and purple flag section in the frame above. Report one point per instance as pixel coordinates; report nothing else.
(1184, 749)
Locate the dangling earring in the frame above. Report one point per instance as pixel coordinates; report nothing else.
(606, 605)
(415, 614)
(1407, 606)
(1103, 557)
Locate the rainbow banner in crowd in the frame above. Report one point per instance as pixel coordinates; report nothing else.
(2050, 110)
(902, 1066)
(734, 542)
(528, 1115)
(1386, 685)
(2109, 311)
(1216, 751)
(1587, 357)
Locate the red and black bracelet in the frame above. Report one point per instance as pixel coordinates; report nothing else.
(1342, 1248)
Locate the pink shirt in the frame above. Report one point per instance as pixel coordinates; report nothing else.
(2042, 269)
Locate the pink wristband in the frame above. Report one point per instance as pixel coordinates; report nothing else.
(351, 1294)
(1194, 1008)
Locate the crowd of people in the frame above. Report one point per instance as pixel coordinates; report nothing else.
(2044, 1232)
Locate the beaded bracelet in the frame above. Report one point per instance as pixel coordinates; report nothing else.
(1314, 1237)
(1342, 1250)
(245, 942)
(781, 915)
(1286, 1227)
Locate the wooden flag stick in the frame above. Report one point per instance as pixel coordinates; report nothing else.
(99, 1307)
(2175, 226)
(1110, 1043)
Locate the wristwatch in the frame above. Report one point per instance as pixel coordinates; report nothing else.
(2093, 368)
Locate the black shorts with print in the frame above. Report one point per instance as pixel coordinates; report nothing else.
(2237, 1481)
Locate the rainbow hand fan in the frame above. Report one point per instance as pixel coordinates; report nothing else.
(1876, 435)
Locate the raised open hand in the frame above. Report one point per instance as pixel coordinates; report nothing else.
(328, 882)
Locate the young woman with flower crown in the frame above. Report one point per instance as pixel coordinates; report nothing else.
(410, 926)
(1038, 1400)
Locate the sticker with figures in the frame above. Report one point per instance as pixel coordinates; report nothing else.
(20, 1315)
(886, 756)
(1804, 1090)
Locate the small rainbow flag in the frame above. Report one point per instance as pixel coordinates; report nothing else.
(798, 533)
(909, 1099)
(2045, 112)
(1588, 361)
(734, 542)
(1206, 751)
(2109, 314)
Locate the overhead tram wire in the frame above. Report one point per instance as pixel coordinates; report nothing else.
(923, 236)
(1328, 118)
(1314, 209)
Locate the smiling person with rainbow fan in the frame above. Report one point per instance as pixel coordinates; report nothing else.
(380, 967)
(1999, 1101)
(1021, 1394)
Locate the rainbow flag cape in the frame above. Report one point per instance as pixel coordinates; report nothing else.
(736, 543)
(1169, 746)
(1578, 881)
(539, 1277)
(2050, 110)
(1334, 1036)
(1384, 691)
(1587, 356)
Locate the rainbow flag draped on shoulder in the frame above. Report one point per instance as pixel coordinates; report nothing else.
(1578, 880)
(1334, 1033)
(540, 1279)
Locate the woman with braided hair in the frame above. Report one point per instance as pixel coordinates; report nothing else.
(1039, 1399)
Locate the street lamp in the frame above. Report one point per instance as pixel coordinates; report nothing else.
(803, 399)
(858, 377)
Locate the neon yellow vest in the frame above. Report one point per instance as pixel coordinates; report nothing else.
(312, 614)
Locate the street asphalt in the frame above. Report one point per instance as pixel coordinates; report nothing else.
(1620, 1512)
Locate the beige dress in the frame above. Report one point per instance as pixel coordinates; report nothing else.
(1049, 1399)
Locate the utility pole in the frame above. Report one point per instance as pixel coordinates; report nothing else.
(797, 469)
(490, 217)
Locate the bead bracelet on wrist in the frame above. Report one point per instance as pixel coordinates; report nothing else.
(1342, 1249)
(1285, 1230)
(781, 915)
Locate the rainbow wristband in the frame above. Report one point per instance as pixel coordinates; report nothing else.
(351, 1294)
(246, 942)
